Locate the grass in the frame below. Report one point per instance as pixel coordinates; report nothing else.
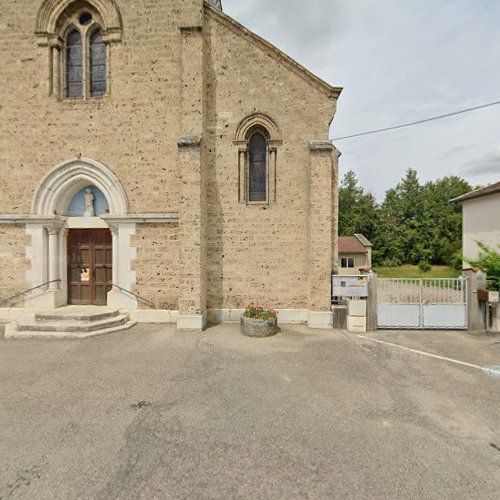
(408, 271)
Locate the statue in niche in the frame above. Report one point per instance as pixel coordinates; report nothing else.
(89, 203)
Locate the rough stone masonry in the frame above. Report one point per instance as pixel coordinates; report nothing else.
(168, 144)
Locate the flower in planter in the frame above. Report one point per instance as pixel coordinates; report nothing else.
(259, 312)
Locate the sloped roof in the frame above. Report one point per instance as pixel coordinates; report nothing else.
(492, 188)
(272, 51)
(353, 244)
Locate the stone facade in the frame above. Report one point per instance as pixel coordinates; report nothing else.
(13, 261)
(168, 147)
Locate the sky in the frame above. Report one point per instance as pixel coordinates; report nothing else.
(398, 61)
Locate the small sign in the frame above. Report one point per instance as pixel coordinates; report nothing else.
(349, 286)
(486, 296)
(85, 275)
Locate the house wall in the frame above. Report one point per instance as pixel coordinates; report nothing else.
(179, 69)
(259, 253)
(481, 222)
(134, 131)
(157, 264)
(360, 261)
(13, 261)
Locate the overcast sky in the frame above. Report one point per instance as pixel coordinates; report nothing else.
(398, 61)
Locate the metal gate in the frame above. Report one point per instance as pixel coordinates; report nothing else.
(416, 303)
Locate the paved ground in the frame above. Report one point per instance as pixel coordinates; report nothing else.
(150, 413)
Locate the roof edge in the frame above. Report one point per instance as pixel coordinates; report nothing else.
(478, 193)
(357, 239)
(363, 240)
(264, 44)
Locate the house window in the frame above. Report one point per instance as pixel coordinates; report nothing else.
(257, 168)
(347, 262)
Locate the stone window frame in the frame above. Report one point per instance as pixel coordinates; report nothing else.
(86, 33)
(56, 19)
(265, 125)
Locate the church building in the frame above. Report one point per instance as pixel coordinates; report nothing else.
(161, 159)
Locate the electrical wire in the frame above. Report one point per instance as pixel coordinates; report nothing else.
(418, 122)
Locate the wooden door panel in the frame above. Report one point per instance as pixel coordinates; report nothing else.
(100, 275)
(99, 255)
(89, 266)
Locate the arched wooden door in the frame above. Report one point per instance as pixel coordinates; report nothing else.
(90, 254)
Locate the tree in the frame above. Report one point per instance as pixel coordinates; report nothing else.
(357, 209)
(415, 223)
(444, 219)
(401, 235)
(489, 260)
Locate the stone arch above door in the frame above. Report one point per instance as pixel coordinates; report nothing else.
(60, 185)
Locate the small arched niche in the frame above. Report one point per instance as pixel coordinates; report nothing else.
(78, 206)
(61, 185)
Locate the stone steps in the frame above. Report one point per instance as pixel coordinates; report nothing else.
(77, 315)
(70, 322)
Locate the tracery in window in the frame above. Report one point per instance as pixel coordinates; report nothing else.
(85, 61)
(79, 38)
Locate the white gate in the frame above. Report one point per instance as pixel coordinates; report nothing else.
(416, 303)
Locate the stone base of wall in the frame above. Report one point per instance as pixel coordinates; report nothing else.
(286, 316)
(193, 322)
(321, 320)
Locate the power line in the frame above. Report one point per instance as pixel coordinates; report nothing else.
(394, 127)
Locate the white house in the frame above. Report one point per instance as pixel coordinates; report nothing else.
(481, 219)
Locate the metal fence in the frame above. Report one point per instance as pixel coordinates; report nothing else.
(422, 303)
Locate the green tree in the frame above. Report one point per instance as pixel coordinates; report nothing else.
(357, 209)
(400, 237)
(489, 260)
(444, 219)
(415, 223)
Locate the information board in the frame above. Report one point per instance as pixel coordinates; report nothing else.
(349, 286)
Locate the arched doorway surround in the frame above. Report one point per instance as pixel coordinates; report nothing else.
(51, 222)
(59, 186)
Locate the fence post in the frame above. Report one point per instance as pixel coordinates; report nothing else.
(476, 280)
(371, 309)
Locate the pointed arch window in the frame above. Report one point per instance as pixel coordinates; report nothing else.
(257, 167)
(258, 140)
(86, 60)
(97, 64)
(74, 65)
(79, 39)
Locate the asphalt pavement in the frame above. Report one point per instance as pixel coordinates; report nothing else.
(152, 413)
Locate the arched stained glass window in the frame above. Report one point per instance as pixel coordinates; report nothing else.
(97, 64)
(257, 168)
(74, 65)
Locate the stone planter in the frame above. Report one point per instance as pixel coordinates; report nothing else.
(252, 327)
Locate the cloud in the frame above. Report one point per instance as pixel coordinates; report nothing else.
(487, 164)
(398, 61)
